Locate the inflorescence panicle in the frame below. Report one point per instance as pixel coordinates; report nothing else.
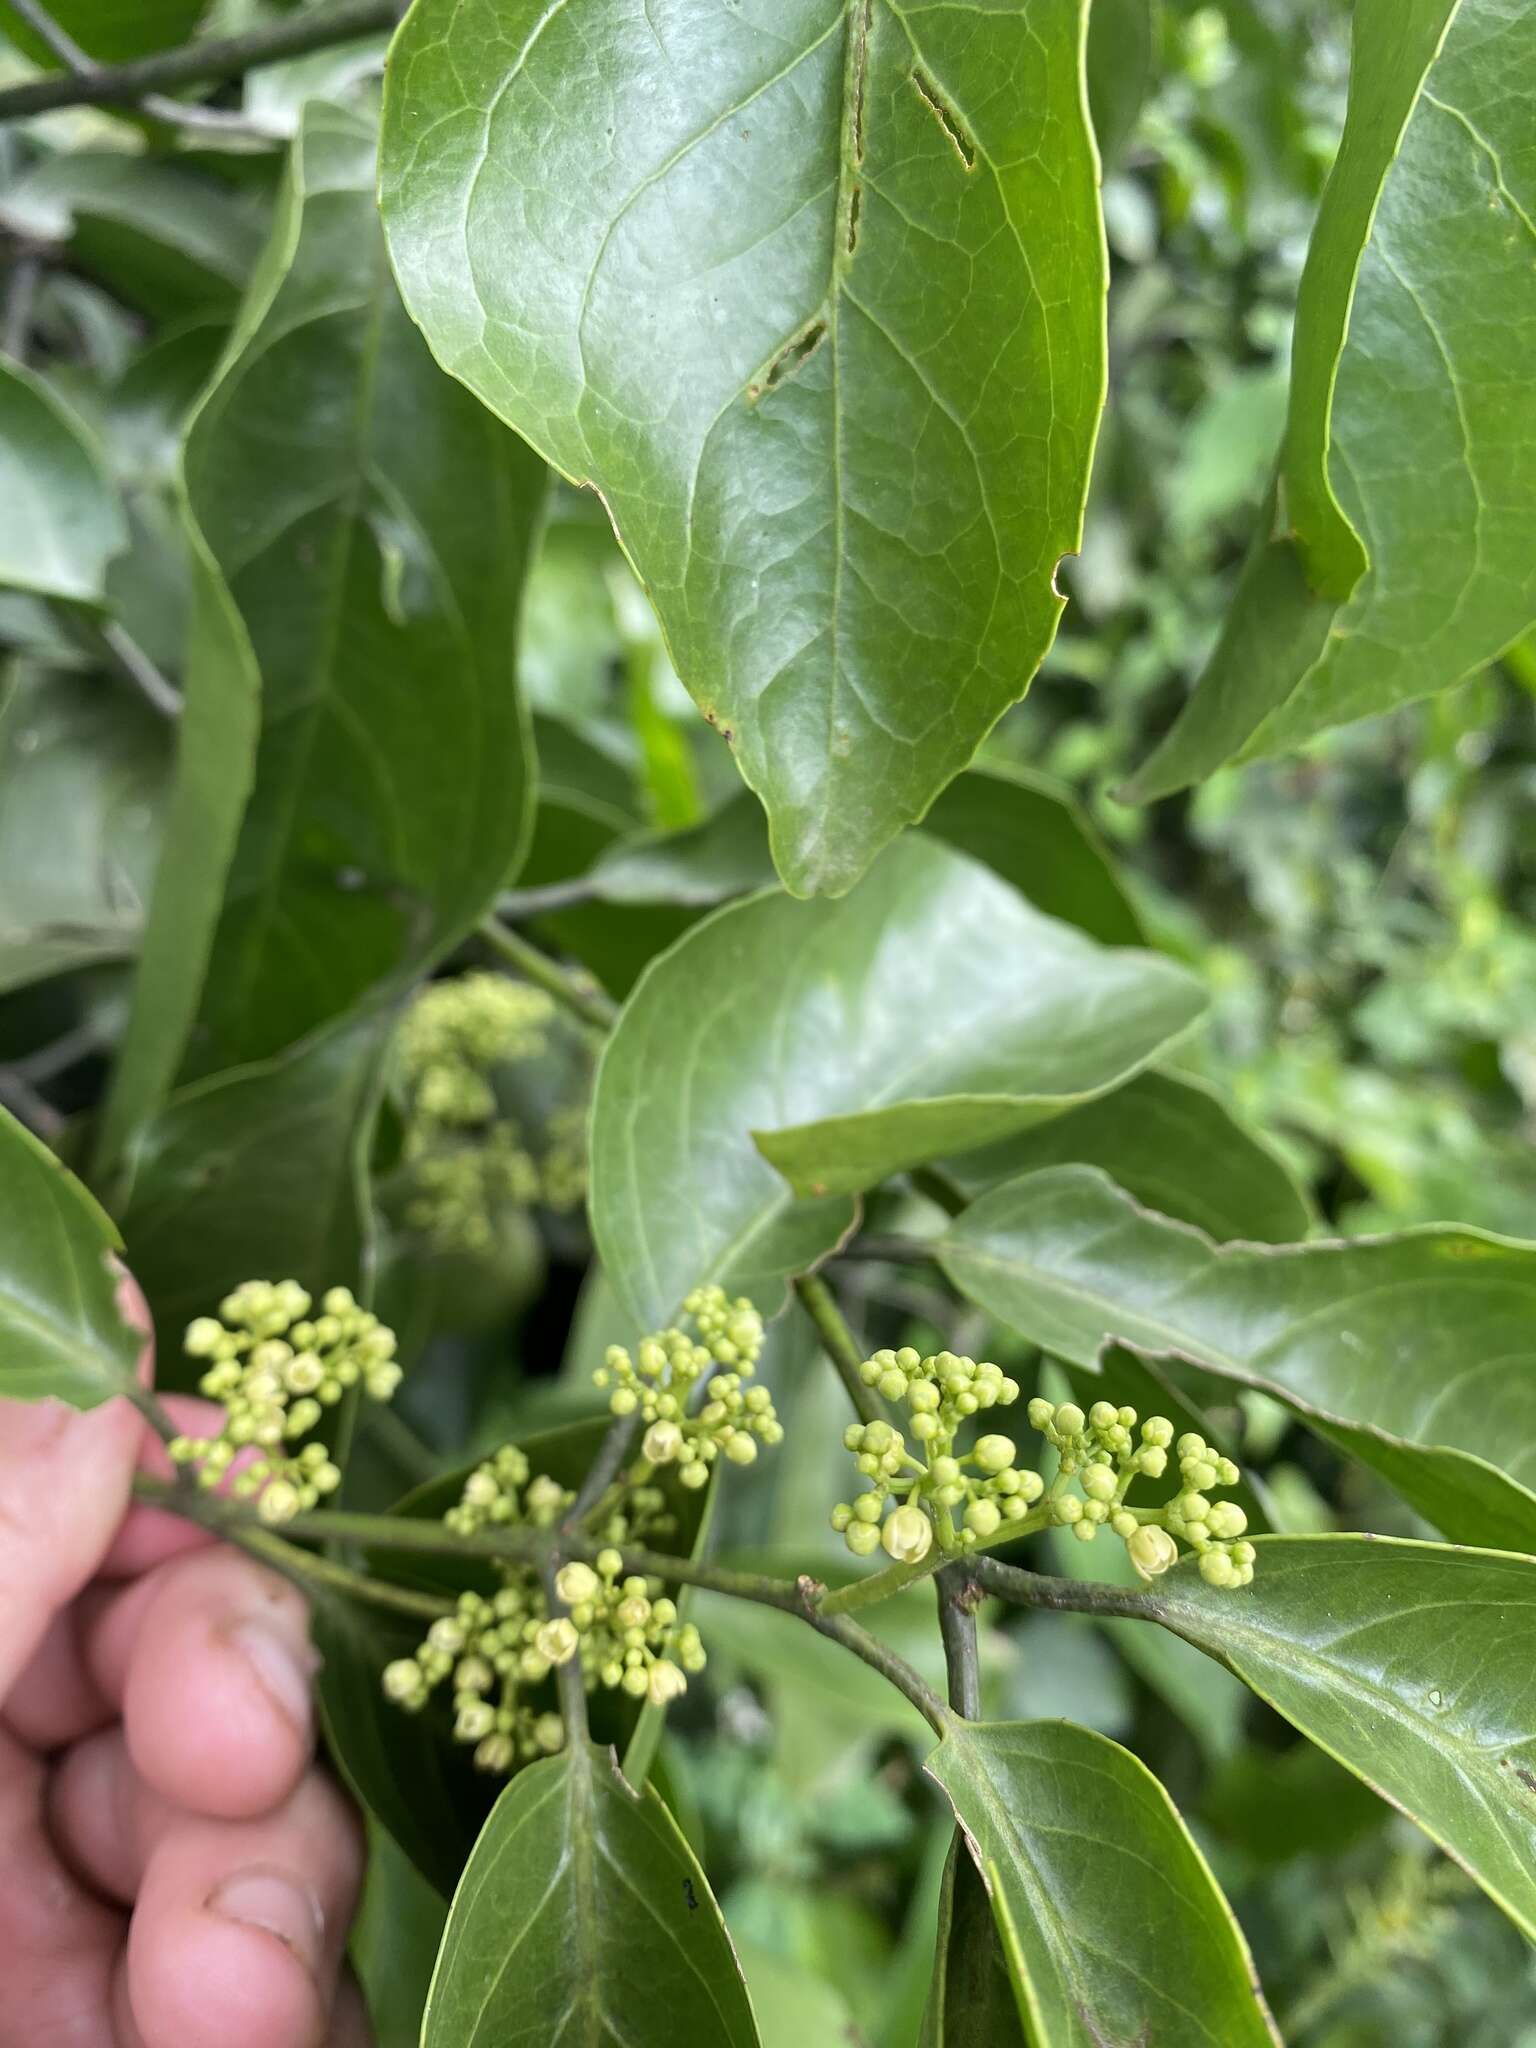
(930, 1492)
(497, 1653)
(275, 1367)
(467, 1159)
(660, 1385)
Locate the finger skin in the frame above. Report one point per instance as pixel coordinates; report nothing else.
(210, 1659)
(57, 1945)
(240, 1926)
(64, 1484)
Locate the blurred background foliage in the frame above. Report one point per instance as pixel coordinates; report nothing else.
(1361, 912)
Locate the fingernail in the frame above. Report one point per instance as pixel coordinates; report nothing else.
(282, 1667)
(278, 1904)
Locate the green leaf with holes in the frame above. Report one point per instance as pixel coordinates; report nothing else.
(61, 1334)
(782, 1057)
(1396, 558)
(1416, 1353)
(583, 1915)
(355, 760)
(812, 291)
(1112, 1926)
(1408, 1662)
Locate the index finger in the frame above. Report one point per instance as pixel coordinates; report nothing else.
(65, 1480)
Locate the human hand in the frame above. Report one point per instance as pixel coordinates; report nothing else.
(174, 1870)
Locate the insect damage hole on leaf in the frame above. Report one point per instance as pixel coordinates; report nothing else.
(791, 358)
(946, 117)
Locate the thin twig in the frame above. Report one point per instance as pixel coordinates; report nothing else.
(20, 297)
(602, 1472)
(837, 1628)
(893, 1250)
(78, 62)
(310, 1567)
(570, 1680)
(817, 1299)
(958, 1591)
(202, 63)
(128, 656)
(1065, 1596)
(30, 1107)
(578, 993)
(543, 1549)
(518, 906)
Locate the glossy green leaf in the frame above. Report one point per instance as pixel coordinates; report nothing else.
(1111, 1923)
(111, 31)
(1408, 1662)
(169, 242)
(84, 764)
(258, 1172)
(840, 1042)
(812, 292)
(60, 1330)
(1022, 825)
(60, 519)
(1173, 1144)
(1120, 61)
(394, 1943)
(583, 1916)
(1400, 560)
(971, 2002)
(1032, 831)
(352, 712)
(1415, 1353)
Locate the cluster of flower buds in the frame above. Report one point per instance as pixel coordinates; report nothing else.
(489, 1651)
(456, 1030)
(627, 1632)
(659, 1385)
(934, 1493)
(275, 1367)
(1105, 1452)
(500, 1493)
(468, 1162)
(458, 1189)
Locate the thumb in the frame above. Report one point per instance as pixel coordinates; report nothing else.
(65, 1484)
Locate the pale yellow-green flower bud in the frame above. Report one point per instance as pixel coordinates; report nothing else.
(557, 1641)
(576, 1583)
(662, 1442)
(666, 1682)
(1152, 1550)
(907, 1535)
(995, 1453)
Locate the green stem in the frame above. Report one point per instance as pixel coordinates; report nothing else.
(1065, 1596)
(958, 1592)
(898, 1577)
(201, 63)
(837, 1628)
(817, 1300)
(543, 1549)
(569, 1679)
(304, 1567)
(584, 999)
